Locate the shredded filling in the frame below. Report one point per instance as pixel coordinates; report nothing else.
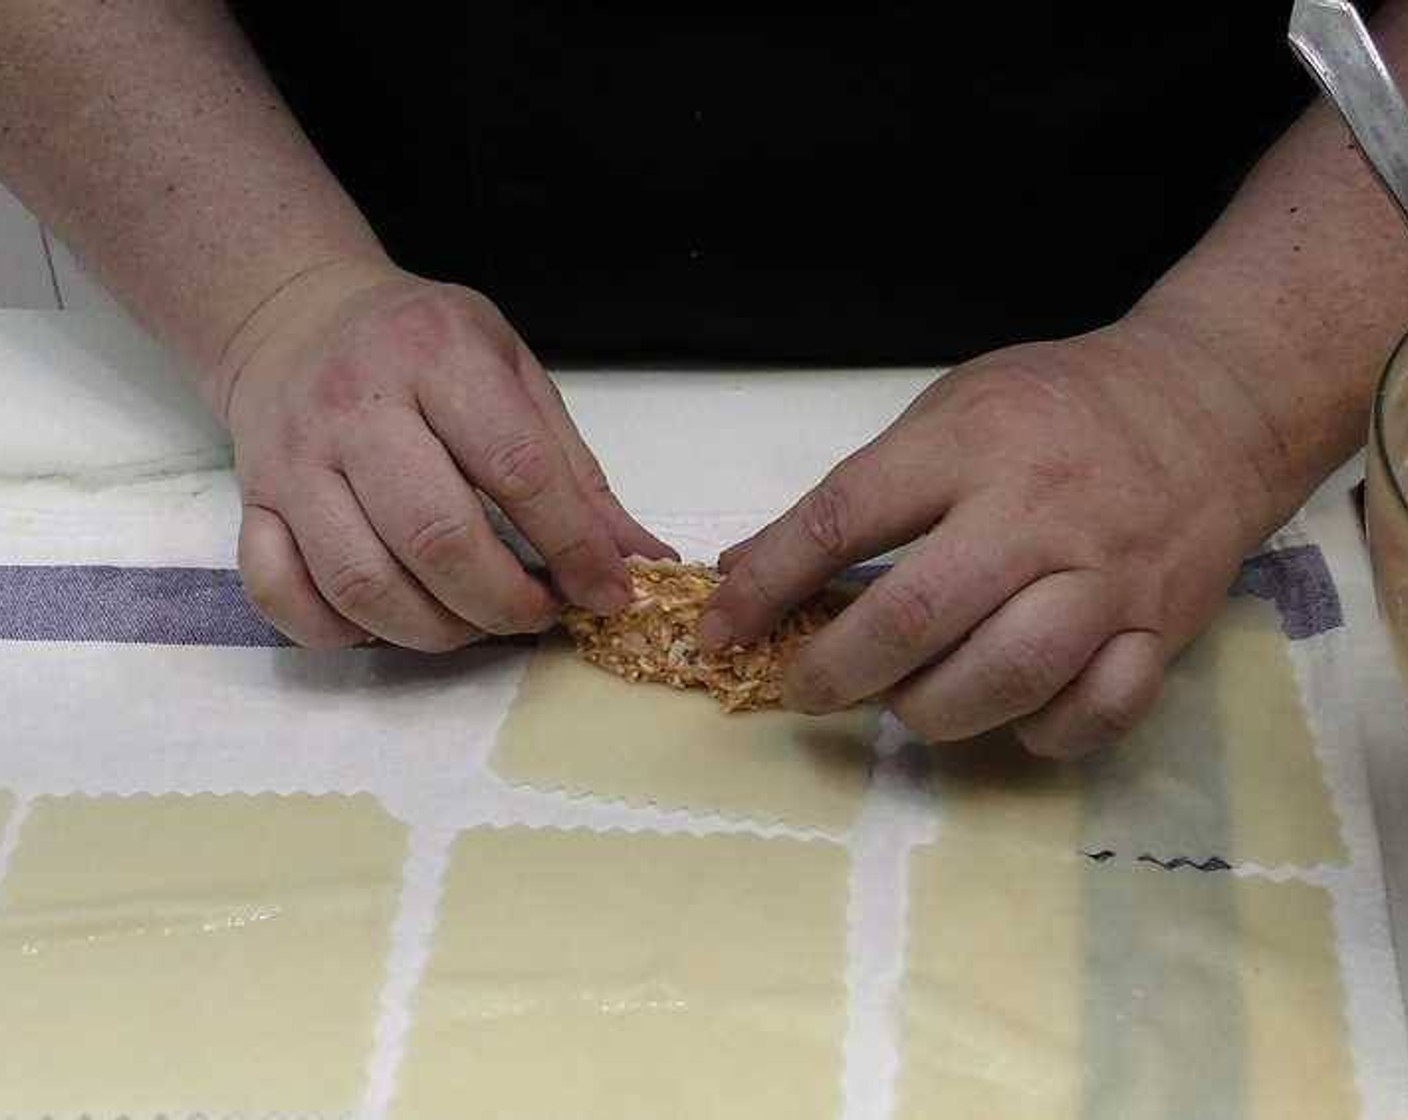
(656, 638)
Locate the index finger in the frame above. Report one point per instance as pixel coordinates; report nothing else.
(497, 436)
(883, 496)
(919, 610)
(631, 537)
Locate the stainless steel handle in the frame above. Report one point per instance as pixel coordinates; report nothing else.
(1335, 47)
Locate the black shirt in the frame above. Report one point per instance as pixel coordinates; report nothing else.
(908, 183)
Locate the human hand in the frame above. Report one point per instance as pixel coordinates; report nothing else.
(367, 407)
(1077, 509)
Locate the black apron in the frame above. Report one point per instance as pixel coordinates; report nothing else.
(905, 184)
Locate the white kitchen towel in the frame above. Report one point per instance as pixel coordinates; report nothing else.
(130, 663)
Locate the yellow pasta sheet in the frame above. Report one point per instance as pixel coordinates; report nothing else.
(215, 954)
(1060, 987)
(576, 728)
(615, 976)
(1225, 768)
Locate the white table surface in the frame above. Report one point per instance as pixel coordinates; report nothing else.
(94, 414)
(75, 438)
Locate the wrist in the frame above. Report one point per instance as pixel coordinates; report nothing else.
(1254, 416)
(1303, 380)
(298, 305)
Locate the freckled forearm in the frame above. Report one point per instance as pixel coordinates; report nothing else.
(146, 133)
(1301, 287)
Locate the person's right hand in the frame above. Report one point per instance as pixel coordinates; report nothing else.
(368, 408)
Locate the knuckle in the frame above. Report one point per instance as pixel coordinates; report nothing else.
(516, 617)
(1019, 676)
(257, 490)
(493, 364)
(918, 718)
(593, 478)
(462, 392)
(268, 589)
(423, 324)
(984, 405)
(358, 586)
(825, 518)
(1054, 474)
(266, 459)
(1062, 745)
(343, 385)
(1110, 718)
(812, 688)
(747, 589)
(445, 639)
(519, 467)
(905, 614)
(484, 314)
(295, 438)
(572, 551)
(327, 640)
(442, 544)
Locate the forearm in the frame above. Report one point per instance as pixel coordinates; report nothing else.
(146, 133)
(1300, 291)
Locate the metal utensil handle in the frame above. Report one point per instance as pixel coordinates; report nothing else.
(1335, 47)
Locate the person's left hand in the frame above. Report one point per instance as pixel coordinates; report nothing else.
(1078, 508)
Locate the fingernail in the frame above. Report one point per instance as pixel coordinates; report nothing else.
(715, 631)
